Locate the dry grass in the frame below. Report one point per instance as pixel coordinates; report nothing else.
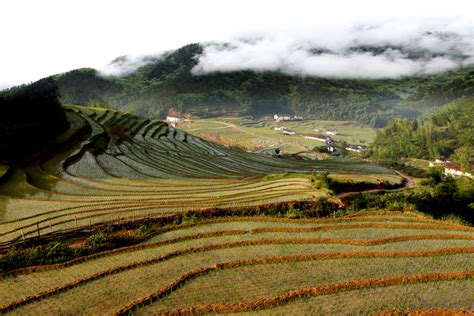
(210, 263)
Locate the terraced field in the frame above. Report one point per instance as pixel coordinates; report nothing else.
(253, 135)
(112, 166)
(363, 263)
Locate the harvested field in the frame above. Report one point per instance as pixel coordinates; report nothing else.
(231, 264)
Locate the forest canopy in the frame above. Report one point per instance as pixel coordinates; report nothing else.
(447, 133)
(30, 116)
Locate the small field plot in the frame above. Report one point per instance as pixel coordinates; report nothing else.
(253, 135)
(262, 265)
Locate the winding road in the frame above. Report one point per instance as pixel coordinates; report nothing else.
(408, 182)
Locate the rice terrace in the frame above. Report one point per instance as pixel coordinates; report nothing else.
(123, 170)
(239, 157)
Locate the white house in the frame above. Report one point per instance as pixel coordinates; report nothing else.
(331, 132)
(454, 169)
(282, 117)
(174, 120)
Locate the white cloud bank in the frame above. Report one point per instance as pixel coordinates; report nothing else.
(40, 38)
(389, 49)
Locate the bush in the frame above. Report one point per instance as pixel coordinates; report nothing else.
(320, 180)
(407, 169)
(51, 253)
(455, 219)
(450, 197)
(324, 207)
(96, 240)
(143, 230)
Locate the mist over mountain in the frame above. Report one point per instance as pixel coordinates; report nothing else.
(179, 80)
(391, 49)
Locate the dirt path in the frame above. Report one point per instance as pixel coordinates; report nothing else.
(238, 128)
(408, 182)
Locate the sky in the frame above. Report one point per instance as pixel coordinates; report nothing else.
(40, 38)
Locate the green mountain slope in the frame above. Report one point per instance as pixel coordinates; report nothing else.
(167, 82)
(447, 133)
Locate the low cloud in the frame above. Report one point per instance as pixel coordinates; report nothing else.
(388, 49)
(127, 64)
(391, 49)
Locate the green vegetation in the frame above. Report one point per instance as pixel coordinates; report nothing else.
(447, 133)
(439, 196)
(211, 261)
(167, 83)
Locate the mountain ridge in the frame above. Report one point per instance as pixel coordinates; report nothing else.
(168, 82)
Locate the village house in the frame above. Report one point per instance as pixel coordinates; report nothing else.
(282, 117)
(331, 132)
(453, 168)
(174, 120)
(286, 117)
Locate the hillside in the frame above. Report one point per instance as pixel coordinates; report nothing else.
(360, 264)
(30, 117)
(112, 166)
(166, 82)
(447, 133)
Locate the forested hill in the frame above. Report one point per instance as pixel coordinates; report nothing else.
(448, 133)
(30, 116)
(167, 82)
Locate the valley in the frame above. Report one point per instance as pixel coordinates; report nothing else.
(236, 158)
(127, 167)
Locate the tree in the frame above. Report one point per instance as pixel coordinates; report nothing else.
(30, 116)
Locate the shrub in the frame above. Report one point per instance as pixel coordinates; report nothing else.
(51, 253)
(143, 230)
(96, 240)
(320, 180)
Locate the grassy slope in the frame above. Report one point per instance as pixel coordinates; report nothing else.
(379, 249)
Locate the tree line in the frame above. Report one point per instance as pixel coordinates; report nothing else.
(448, 134)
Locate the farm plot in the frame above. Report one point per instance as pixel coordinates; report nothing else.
(246, 264)
(127, 167)
(253, 135)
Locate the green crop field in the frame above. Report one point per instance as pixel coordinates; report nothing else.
(112, 166)
(360, 263)
(252, 135)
